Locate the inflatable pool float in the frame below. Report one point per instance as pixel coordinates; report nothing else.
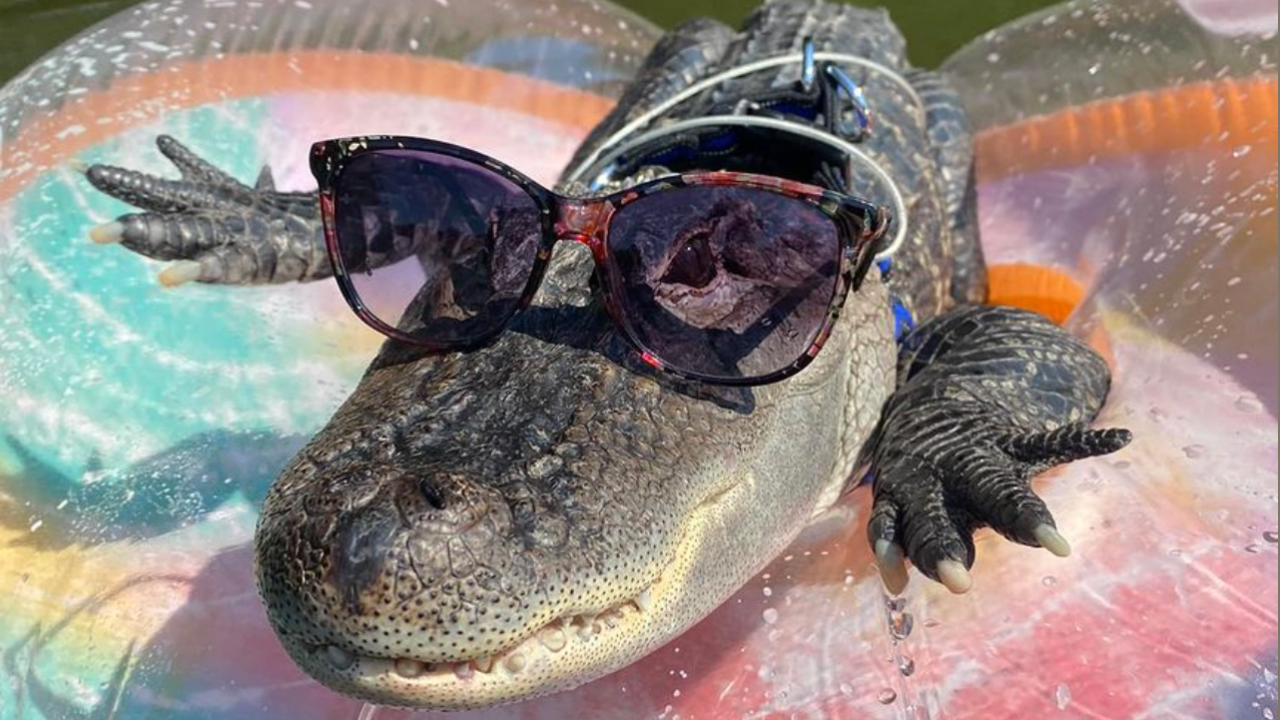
(1128, 188)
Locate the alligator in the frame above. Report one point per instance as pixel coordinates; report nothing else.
(484, 527)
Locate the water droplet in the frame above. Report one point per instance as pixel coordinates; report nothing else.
(1175, 552)
(846, 689)
(1193, 451)
(1247, 404)
(768, 591)
(991, 58)
(886, 697)
(1252, 548)
(1049, 581)
(901, 624)
(770, 615)
(906, 666)
(1271, 536)
(1241, 151)
(1062, 696)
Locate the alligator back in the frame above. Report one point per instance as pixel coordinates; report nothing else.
(920, 137)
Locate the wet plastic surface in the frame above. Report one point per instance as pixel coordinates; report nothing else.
(1131, 148)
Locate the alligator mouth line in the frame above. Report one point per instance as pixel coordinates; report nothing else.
(570, 632)
(554, 637)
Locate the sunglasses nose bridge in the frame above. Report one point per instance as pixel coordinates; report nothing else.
(584, 221)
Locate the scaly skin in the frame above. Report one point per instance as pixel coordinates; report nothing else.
(479, 528)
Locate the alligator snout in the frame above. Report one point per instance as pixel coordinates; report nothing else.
(424, 525)
(475, 558)
(467, 522)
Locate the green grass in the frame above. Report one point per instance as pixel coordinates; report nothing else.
(934, 28)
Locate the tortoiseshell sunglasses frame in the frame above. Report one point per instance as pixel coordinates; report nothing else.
(859, 224)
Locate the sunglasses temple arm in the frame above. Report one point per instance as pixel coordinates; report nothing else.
(869, 245)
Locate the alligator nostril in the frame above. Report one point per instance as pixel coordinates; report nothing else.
(432, 492)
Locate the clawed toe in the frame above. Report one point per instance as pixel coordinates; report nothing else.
(988, 397)
(108, 233)
(1050, 539)
(955, 576)
(181, 273)
(893, 566)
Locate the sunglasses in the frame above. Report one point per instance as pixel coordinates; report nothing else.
(722, 277)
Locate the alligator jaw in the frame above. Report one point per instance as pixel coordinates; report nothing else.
(665, 504)
(561, 654)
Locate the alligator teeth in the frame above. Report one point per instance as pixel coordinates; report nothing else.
(644, 600)
(463, 671)
(610, 620)
(410, 668)
(484, 664)
(514, 662)
(553, 639)
(338, 657)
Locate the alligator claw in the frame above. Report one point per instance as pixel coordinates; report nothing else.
(108, 233)
(974, 420)
(215, 228)
(893, 566)
(933, 509)
(954, 576)
(181, 273)
(1050, 539)
(919, 522)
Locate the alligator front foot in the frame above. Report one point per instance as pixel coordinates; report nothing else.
(987, 398)
(211, 227)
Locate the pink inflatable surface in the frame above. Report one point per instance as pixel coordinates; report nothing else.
(1128, 185)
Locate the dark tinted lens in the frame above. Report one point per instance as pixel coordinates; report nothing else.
(438, 247)
(724, 282)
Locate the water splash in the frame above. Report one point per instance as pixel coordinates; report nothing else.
(900, 623)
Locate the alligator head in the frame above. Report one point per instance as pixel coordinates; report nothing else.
(480, 528)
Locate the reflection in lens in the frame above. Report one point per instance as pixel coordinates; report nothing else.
(437, 247)
(725, 282)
